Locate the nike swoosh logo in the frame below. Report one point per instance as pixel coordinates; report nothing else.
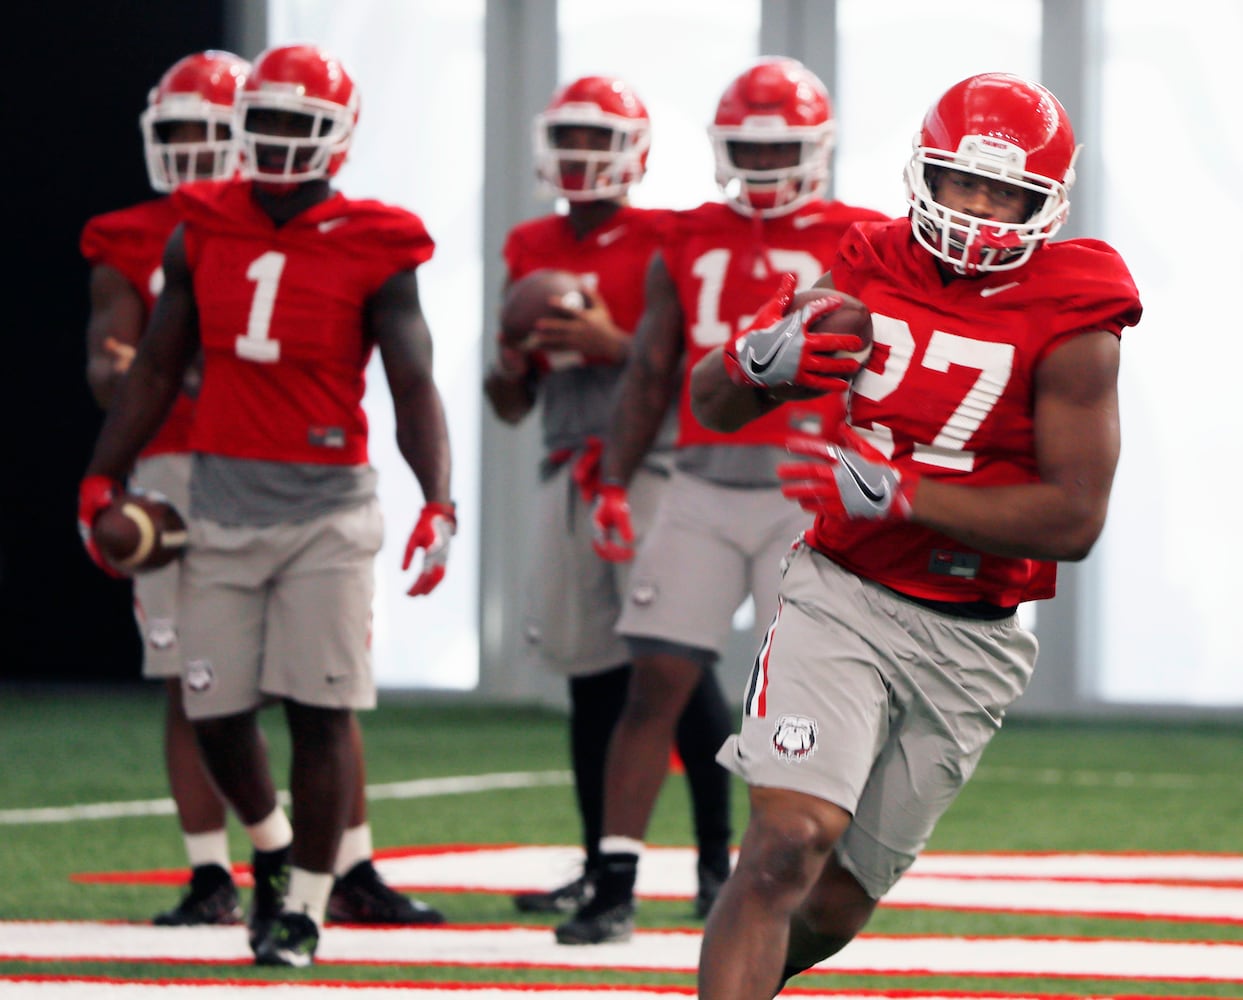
(329, 225)
(604, 239)
(779, 334)
(986, 292)
(803, 221)
(877, 495)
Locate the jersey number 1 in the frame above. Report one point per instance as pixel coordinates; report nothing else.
(256, 344)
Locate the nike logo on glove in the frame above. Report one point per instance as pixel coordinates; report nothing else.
(780, 333)
(876, 494)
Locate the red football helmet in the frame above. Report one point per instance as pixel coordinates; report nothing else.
(778, 100)
(599, 102)
(198, 92)
(304, 82)
(1005, 128)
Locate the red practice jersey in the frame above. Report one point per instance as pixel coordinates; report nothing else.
(725, 267)
(131, 240)
(948, 393)
(281, 318)
(612, 259)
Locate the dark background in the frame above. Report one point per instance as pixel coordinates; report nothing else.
(78, 153)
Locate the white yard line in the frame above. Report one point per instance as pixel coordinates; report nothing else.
(423, 788)
(511, 947)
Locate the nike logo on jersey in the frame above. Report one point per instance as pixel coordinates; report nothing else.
(604, 239)
(876, 494)
(986, 292)
(328, 225)
(803, 221)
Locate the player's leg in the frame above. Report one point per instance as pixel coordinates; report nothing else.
(783, 852)
(687, 579)
(595, 703)
(813, 675)
(702, 728)
(212, 896)
(222, 607)
(317, 661)
(359, 894)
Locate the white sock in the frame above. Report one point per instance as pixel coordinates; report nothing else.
(308, 893)
(210, 848)
(621, 845)
(271, 833)
(355, 847)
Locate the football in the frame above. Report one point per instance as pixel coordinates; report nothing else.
(139, 531)
(533, 297)
(852, 317)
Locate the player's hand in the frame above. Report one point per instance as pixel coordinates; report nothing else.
(94, 494)
(588, 329)
(436, 525)
(779, 349)
(842, 473)
(513, 362)
(586, 471)
(612, 535)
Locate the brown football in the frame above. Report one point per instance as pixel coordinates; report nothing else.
(139, 531)
(852, 317)
(530, 299)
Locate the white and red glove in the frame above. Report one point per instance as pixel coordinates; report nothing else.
(611, 531)
(94, 494)
(842, 473)
(436, 525)
(780, 350)
(586, 471)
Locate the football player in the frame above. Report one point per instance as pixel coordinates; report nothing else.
(977, 450)
(187, 135)
(722, 525)
(284, 522)
(591, 145)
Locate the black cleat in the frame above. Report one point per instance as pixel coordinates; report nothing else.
(567, 899)
(360, 896)
(290, 939)
(595, 924)
(211, 899)
(271, 875)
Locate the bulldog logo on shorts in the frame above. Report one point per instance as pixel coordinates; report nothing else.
(199, 675)
(794, 737)
(162, 634)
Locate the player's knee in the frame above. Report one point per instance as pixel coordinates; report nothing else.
(786, 850)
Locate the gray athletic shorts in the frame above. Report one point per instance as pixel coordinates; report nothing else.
(575, 596)
(709, 547)
(155, 593)
(282, 611)
(876, 704)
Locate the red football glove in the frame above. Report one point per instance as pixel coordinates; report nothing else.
(94, 494)
(612, 533)
(436, 525)
(586, 471)
(846, 475)
(779, 349)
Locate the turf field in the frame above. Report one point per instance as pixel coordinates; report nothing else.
(84, 817)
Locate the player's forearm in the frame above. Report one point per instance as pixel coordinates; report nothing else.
(1032, 521)
(636, 421)
(423, 440)
(718, 403)
(138, 409)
